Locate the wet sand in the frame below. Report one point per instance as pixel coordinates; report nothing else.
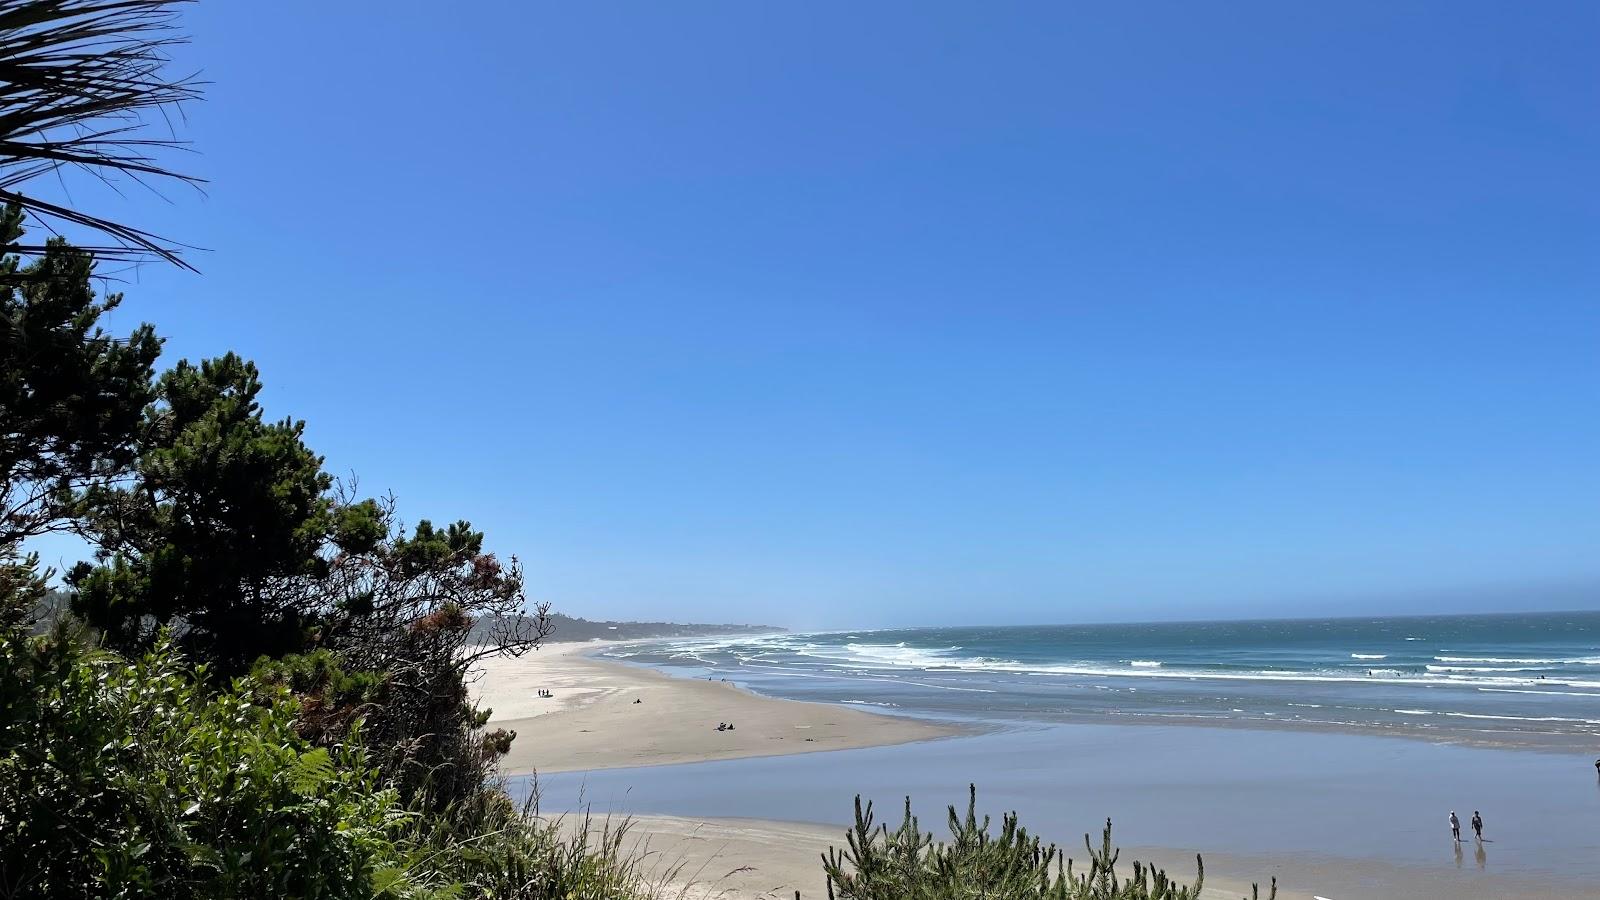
(1339, 816)
(606, 715)
(770, 860)
(1343, 817)
(734, 859)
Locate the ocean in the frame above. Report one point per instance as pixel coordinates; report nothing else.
(1514, 680)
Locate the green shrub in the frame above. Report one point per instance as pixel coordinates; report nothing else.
(136, 778)
(498, 850)
(908, 864)
(124, 779)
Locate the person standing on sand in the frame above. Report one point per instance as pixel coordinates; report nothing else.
(1455, 826)
(1477, 824)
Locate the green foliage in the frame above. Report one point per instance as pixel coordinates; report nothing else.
(908, 864)
(228, 532)
(72, 395)
(227, 511)
(402, 606)
(138, 778)
(134, 779)
(497, 850)
(79, 78)
(23, 593)
(351, 762)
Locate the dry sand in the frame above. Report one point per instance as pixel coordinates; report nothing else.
(593, 721)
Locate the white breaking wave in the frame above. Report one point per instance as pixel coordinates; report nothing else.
(1490, 690)
(902, 656)
(886, 660)
(1515, 660)
(1490, 669)
(1463, 715)
(899, 657)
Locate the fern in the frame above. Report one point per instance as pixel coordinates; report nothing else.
(311, 772)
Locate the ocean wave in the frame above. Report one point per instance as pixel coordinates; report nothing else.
(824, 653)
(1515, 660)
(1496, 718)
(951, 687)
(883, 660)
(1462, 715)
(1490, 690)
(1485, 668)
(901, 655)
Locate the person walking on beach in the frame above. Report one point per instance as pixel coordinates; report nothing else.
(1455, 826)
(1477, 825)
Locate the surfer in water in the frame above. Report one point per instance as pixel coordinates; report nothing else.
(1477, 825)
(1455, 826)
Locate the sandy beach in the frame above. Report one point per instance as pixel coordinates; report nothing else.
(722, 830)
(592, 722)
(605, 715)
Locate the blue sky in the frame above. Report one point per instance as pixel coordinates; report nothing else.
(914, 313)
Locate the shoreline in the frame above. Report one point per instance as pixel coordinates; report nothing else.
(1500, 681)
(752, 821)
(605, 714)
(1437, 729)
(1353, 818)
(771, 859)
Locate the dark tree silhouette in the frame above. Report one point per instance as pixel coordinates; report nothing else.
(71, 394)
(82, 85)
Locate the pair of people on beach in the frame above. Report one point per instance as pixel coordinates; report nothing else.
(1455, 825)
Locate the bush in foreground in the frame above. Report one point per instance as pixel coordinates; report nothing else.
(127, 779)
(135, 778)
(908, 864)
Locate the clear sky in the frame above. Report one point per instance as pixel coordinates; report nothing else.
(913, 313)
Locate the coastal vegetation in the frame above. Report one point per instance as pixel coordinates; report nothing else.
(907, 863)
(260, 687)
(259, 684)
(574, 628)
